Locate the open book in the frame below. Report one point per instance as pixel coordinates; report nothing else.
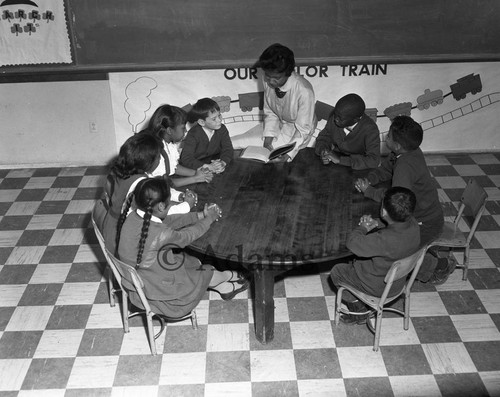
(260, 153)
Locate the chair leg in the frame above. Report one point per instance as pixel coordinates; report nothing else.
(125, 311)
(378, 327)
(406, 319)
(194, 320)
(111, 288)
(338, 302)
(151, 337)
(466, 263)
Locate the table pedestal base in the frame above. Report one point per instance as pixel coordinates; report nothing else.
(264, 305)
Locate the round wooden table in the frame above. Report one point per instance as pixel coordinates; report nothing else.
(277, 216)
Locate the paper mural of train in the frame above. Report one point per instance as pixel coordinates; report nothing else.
(464, 85)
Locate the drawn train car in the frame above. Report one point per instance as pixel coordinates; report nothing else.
(470, 83)
(251, 100)
(429, 98)
(399, 109)
(224, 103)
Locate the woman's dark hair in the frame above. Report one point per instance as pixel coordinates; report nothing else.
(399, 202)
(277, 58)
(137, 155)
(164, 117)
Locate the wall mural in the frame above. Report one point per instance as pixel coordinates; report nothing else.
(33, 32)
(456, 103)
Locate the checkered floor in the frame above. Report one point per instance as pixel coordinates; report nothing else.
(60, 337)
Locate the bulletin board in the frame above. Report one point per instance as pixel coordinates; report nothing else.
(131, 35)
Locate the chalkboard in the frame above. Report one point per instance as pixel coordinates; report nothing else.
(121, 35)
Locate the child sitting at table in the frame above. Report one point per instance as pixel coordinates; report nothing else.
(208, 141)
(397, 237)
(138, 156)
(169, 124)
(350, 137)
(174, 282)
(406, 167)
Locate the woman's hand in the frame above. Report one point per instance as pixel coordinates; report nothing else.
(268, 143)
(281, 159)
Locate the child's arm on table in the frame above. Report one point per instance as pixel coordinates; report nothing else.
(181, 237)
(200, 175)
(366, 245)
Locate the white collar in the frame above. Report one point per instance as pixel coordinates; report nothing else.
(348, 130)
(141, 213)
(209, 132)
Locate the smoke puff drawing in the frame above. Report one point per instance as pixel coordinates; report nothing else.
(138, 102)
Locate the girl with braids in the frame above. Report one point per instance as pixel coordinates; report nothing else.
(169, 124)
(139, 155)
(174, 283)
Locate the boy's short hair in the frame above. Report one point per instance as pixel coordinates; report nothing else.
(407, 132)
(399, 202)
(353, 104)
(277, 58)
(201, 109)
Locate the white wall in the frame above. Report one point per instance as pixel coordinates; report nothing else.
(47, 124)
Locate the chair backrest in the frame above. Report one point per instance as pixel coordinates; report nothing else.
(105, 251)
(401, 268)
(130, 280)
(473, 197)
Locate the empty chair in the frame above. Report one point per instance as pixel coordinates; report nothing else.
(131, 281)
(399, 269)
(473, 200)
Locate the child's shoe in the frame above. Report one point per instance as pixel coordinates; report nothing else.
(355, 307)
(444, 268)
(349, 319)
(238, 277)
(237, 288)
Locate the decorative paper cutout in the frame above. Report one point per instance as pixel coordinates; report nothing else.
(33, 32)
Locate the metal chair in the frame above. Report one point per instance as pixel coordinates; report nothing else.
(399, 269)
(473, 200)
(112, 276)
(131, 281)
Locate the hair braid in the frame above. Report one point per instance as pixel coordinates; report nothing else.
(144, 232)
(121, 221)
